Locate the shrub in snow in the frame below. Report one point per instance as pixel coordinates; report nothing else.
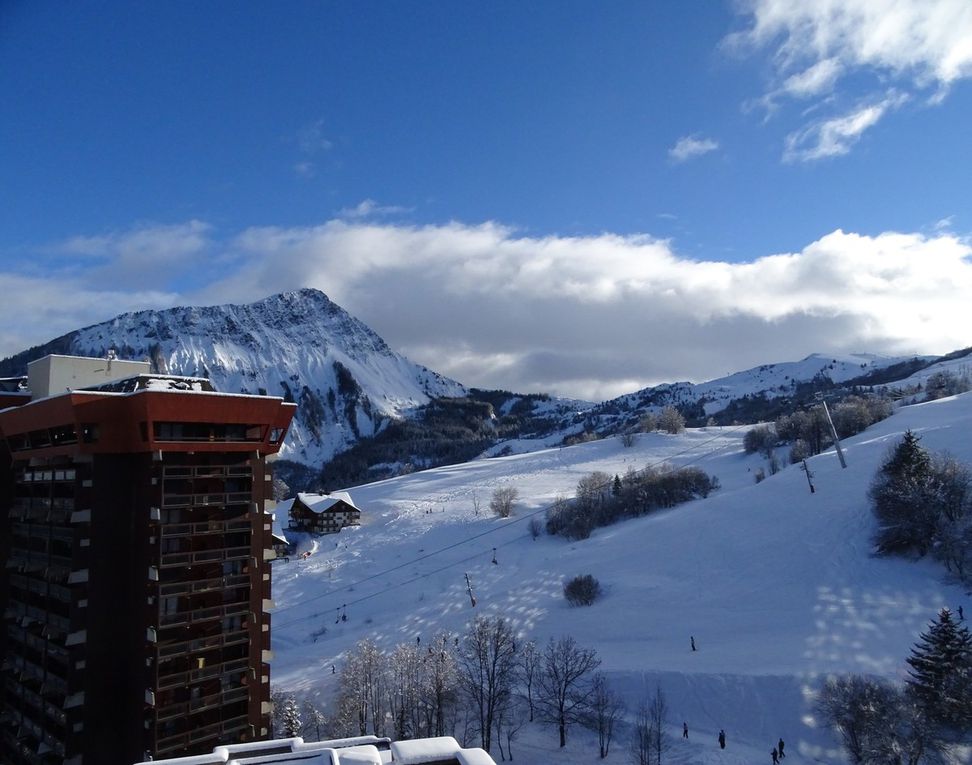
(535, 527)
(502, 501)
(671, 420)
(582, 590)
(760, 439)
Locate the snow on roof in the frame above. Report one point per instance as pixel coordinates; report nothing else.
(358, 755)
(350, 751)
(475, 756)
(319, 757)
(321, 503)
(424, 750)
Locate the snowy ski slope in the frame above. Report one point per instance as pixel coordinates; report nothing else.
(776, 584)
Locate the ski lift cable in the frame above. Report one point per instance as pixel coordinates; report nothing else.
(518, 519)
(384, 590)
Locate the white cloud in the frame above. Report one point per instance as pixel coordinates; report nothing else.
(584, 316)
(691, 146)
(916, 45)
(835, 136)
(305, 169)
(37, 309)
(929, 41)
(587, 315)
(147, 254)
(311, 139)
(814, 80)
(370, 208)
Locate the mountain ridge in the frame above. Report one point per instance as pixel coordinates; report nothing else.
(352, 388)
(299, 345)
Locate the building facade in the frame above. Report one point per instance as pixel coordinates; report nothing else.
(135, 582)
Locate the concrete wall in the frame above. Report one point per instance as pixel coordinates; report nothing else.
(53, 375)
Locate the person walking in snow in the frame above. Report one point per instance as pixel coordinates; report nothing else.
(722, 739)
(961, 614)
(776, 757)
(692, 639)
(779, 746)
(684, 730)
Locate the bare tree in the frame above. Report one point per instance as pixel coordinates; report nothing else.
(403, 689)
(509, 720)
(503, 500)
(642, 737)
(563, 689)
(606, 709)
(528, 664)
(658, 712)
(362, 687)
(650, 741)
(439, 684)
(877, 722)
(671, 420)
(315, 721)
(487, 665)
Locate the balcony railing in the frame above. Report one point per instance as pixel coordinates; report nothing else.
(185, 677)
(206, 471)
(202, 703)
(204, 500)
(203, 614)
(186, 647)
(204, 556)
(203, 585)
(223, 729)
(205, 527)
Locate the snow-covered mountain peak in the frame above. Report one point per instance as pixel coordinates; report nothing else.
(299, 345)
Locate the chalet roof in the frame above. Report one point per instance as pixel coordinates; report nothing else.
(321, 503)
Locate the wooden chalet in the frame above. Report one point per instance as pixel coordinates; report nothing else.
(324, 513)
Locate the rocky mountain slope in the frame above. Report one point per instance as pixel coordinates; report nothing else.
(300, 345)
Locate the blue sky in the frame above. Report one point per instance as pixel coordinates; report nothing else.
(397, 153)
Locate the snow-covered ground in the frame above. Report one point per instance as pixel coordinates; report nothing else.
(777, 585)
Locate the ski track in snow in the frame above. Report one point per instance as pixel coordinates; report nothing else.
(776, 584)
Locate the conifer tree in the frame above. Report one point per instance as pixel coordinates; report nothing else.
(290, 717)
(901, 495)
(941, 672)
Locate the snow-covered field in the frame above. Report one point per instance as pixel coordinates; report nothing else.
(777, 585)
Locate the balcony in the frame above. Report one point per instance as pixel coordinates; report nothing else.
(198, 645)
(206, 471)
(193, 587)
(202, 703)
(205, 500)
(198, 615)
(224, 730)
(187, 677)
(205, 527)
(204, 556)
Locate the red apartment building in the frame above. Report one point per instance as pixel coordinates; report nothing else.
(135, 577)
